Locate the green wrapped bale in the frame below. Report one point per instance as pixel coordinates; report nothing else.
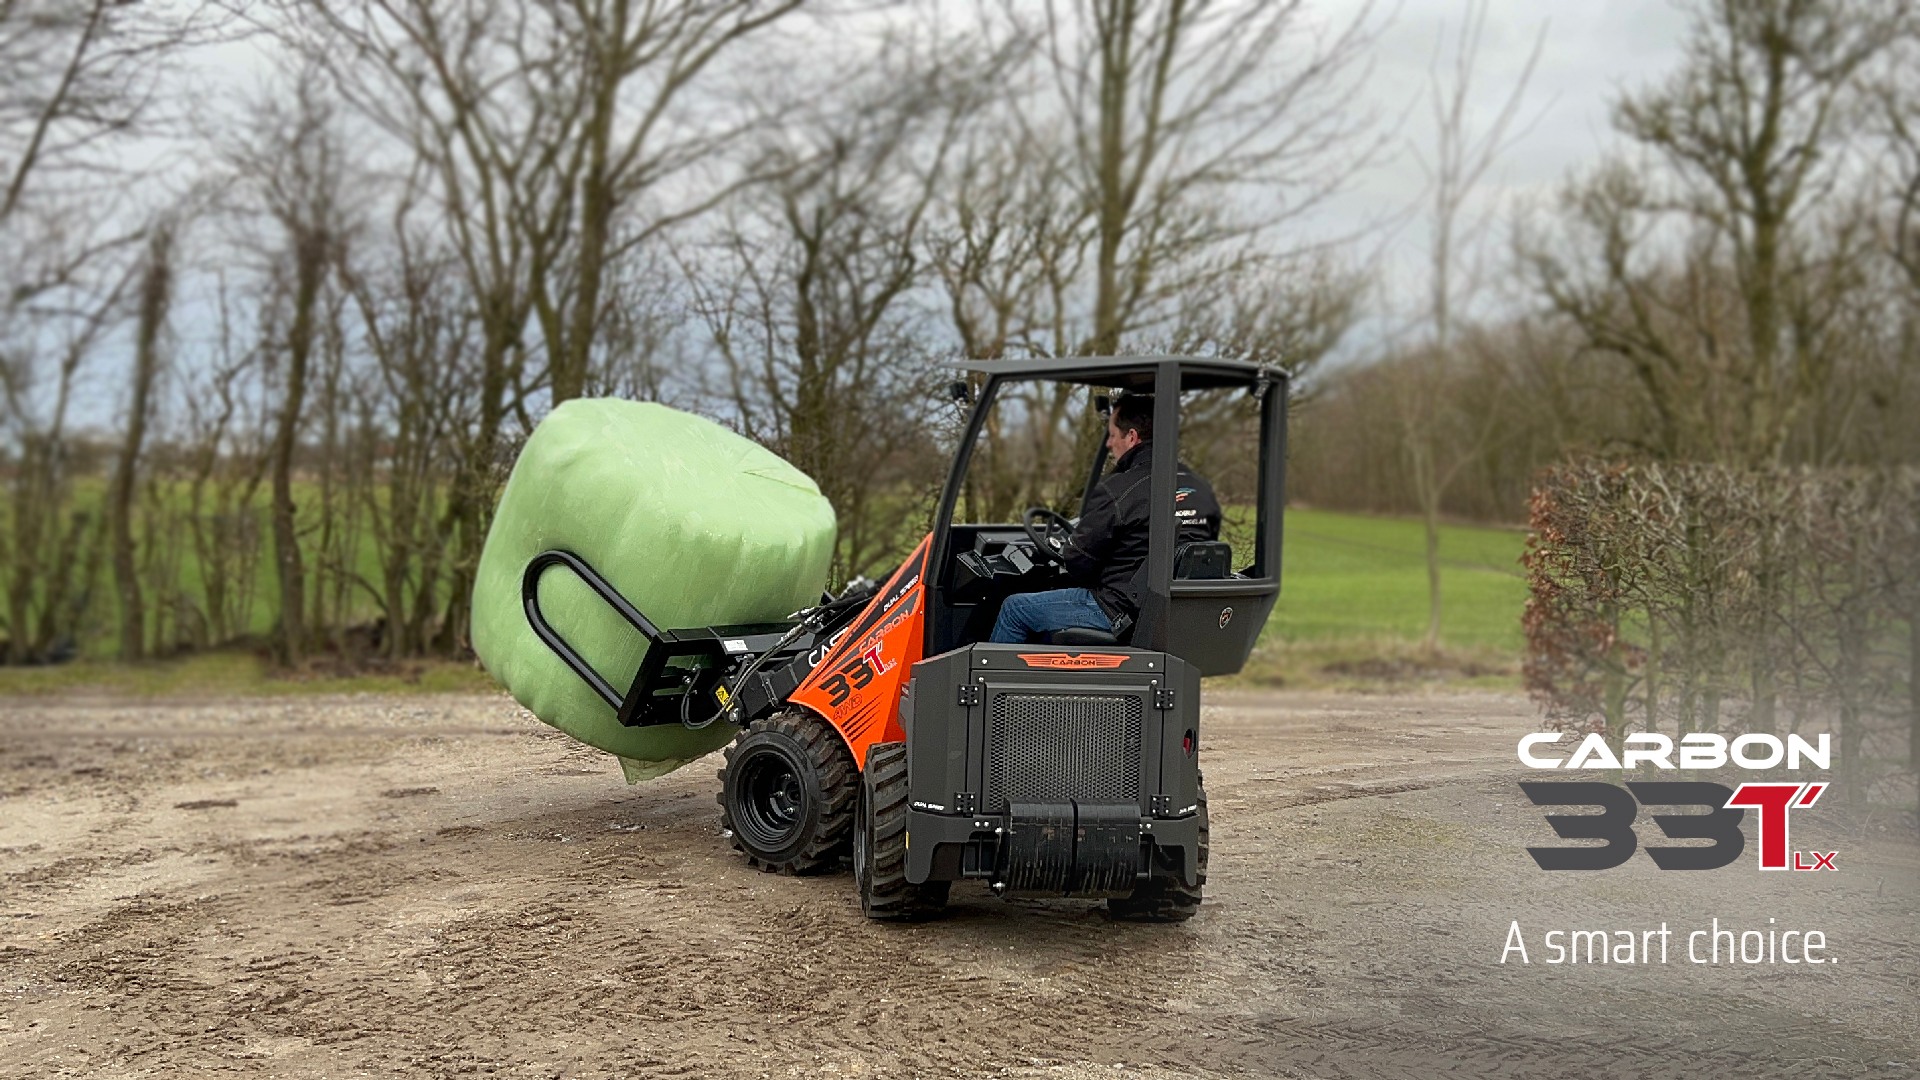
(693, 524)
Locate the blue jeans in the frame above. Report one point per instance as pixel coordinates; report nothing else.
(1027, 615)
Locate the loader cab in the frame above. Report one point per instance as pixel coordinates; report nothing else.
(1034, 441)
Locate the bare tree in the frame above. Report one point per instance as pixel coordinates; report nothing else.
(1009, 239)
(53, 547)
(812, 309)
(548, 129)
(1147, 157)
(1131, 190)
(1898, 101)
(226, 464)
(1715, 266)
(80, 79)
(79, 74)
(485, 105)
(641, 60)
(1177, 117)
(554, 125)
(291, 159)
(418, 326)
(1897, 120)
(1455, 169)
(1899, 106)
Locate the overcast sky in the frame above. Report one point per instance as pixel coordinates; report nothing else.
(1592, 50)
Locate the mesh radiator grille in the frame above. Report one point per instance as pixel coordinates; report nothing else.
(1052, 747)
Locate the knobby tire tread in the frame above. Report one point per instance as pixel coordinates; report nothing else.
(887, 894)
(839, 786)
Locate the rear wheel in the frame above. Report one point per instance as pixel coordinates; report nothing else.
(787, 794)
(880, 842)
(1167, 899)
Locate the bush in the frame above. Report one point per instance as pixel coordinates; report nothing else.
(1711, 598)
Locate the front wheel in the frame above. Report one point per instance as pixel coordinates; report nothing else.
(880, 843)
(787, 794)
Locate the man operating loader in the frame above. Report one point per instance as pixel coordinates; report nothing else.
(1108, 549)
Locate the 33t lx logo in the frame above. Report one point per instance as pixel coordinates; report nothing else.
(1721, 824)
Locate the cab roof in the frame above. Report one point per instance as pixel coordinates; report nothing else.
(1128, 372)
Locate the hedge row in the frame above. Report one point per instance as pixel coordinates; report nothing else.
(1683, 598)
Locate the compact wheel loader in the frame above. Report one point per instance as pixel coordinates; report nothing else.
(880, 726)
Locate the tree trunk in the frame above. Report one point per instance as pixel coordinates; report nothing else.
(155, 286)
(1430, 508)
(570, 358)
(464, 527)
(1113, 208)
(1426, 489)
(1651, 716)
(310, 261)
(26, 513)
(1765, 692)
(1765, 697)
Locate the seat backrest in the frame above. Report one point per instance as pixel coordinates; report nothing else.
(1203, 560)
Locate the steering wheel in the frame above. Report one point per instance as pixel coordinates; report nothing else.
(1049, 532)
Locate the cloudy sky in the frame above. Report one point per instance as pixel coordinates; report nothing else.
(1590, 50)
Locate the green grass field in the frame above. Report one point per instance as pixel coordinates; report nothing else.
(1351, 577)
(361, 553)
(1353, 606)
(229, 672)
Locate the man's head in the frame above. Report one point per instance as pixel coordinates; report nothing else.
(1129, 423)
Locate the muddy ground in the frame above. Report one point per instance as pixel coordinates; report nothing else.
(443, 886)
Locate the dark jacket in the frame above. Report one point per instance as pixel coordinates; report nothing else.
(1109, 547)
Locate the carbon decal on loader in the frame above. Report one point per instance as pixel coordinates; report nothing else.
(1073, 661)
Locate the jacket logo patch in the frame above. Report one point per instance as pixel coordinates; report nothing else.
(1073, 660)
(1226, 616)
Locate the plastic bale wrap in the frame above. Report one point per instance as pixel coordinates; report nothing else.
(694, 525)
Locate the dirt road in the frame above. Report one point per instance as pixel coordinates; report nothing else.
(444, 886)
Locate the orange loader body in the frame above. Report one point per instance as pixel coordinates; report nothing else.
(858, 683)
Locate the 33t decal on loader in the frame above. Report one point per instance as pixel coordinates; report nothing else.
(879, 725)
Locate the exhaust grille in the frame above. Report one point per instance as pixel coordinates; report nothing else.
(1055, 747)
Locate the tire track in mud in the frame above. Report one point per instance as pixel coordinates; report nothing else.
(1363, 1048)
(519, 912)
(490, 984)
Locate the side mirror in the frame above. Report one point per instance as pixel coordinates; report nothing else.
(1102, 404)
(960, 391)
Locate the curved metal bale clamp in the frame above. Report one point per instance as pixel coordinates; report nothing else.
(693, 692)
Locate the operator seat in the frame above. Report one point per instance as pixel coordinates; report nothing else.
(1079, 635)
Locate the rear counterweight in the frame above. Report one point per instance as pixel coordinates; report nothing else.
(1048, 771)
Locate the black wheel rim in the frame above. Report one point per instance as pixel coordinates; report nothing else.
(772, 801)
